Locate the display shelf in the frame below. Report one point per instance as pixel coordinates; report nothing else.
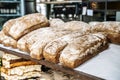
(11, 9)
(76, 73)
(10, 15)
(14, 1)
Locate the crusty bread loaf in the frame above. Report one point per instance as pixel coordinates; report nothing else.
(8, 25)
(79, 50)
(76, 25)
(36, 50)
(22, 42)
(7, 41)
(111, 28)
(56, 22)
(25, 24)
(26, 41)
(53, 49)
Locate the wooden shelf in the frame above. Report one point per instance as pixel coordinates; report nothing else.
(78, 74)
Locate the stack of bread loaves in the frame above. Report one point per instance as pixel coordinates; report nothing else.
(18, 68)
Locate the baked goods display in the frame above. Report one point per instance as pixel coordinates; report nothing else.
(20, 26)
(68, 43)
(111, 28)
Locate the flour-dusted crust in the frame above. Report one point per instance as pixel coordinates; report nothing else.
(7, 40)
(111, 28)
(20, 26)
(56, 22)
(82, 49)
(53, 49)
(36, 50)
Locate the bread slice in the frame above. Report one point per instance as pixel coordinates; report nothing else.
(53, 49)
(26, 24)
(82, 49)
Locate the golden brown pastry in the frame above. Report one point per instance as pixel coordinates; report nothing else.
(82, 49)
(25, 24)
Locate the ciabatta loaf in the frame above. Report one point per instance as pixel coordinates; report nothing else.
(82, 49)
(76, 25)
(36, 50)
(53, 49)
(56, 22)
(25, 24)
(26, 41)
(111, 28)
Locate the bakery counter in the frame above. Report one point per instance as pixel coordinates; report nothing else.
(103, 66)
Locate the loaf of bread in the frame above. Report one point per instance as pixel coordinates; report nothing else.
(53, 49)
(36, 50)
(7, 25)
(7, 40)
(25, 24)
(112, 29)
(82, 49)
(56, 22)
(76, 25)
(30, 38)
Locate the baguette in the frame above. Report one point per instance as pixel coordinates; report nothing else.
(53, 49)
(25, 24)
(82, 49)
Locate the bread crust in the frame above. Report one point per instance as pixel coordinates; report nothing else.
(77, 53)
